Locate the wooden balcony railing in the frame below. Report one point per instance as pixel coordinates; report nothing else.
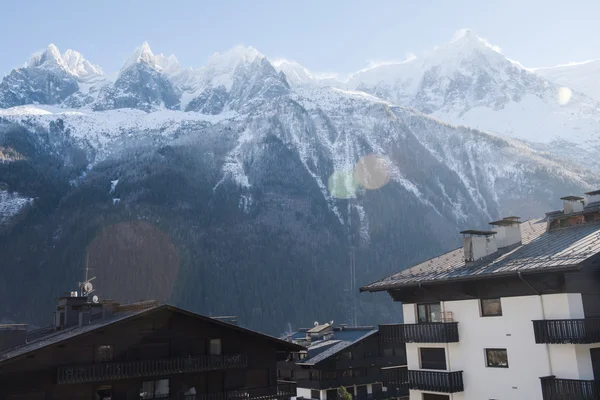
(431, 332)
(434, 381)
(143, 368)
(279, 392)
(569, 389)
(567, 331)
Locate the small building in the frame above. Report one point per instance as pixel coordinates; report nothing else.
(104, 350)
(512, 314)
(343, 356)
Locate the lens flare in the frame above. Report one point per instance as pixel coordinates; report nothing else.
(343, 185)
(563, 95)
(372, 171)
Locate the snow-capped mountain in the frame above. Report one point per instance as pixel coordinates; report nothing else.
(142, 84)
(469, 82)
(583, 77)
(259, 175)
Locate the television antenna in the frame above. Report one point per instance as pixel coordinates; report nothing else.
(86, 286)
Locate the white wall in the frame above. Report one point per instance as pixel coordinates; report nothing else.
(513, 330)
(301, 392)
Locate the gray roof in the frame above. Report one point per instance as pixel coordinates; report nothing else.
(320, 350)
(539, 251)
(62, 335)
(65, 334)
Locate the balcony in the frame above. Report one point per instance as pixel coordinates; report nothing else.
(268, 393)
(430, 332)
(569, 389)
(377, 361)
(144, 368)
(567, 331)
(320, 384)
(433, 381)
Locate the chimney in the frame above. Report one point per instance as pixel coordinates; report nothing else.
(84, 318)
(478, 244)
(593, 197)
(508, 231)
(12, 335)
(572, 204)
(68, 309)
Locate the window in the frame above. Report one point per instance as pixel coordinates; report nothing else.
(104, 353)
(347, 373)
(215, 347)
(347, 355)
(315, 394)
(432, 358)
(388, 352)
(491, 307)
(155, 389)
(496, 358)
(429, 312)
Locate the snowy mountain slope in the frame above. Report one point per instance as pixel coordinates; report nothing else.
(583, 77)
(104, 132)
(142, 84)
(469, 82)
(263, 200)
(50, 78)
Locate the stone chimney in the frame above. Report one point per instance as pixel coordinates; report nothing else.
(478, 244)
(12, 335)
(572, 204)
(508, 231)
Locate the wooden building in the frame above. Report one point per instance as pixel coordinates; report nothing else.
(350, 357)
(101, 351)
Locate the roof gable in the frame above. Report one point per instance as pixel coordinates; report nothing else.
(65, 335)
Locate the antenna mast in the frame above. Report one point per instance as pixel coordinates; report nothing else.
(86, 286)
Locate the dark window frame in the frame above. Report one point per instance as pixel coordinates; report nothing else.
(154, 383)
(487, 358)
(428, 318)
(427, 364)
(482, 308)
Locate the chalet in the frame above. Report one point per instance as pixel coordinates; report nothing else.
(104, 350)
(512, 314)
(352, 357)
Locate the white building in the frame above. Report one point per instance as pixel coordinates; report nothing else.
(513, 314)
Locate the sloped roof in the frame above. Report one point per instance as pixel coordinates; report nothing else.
(322, 349)
(540, 250)
(66, 334)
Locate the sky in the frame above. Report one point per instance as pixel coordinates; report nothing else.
(325, 36)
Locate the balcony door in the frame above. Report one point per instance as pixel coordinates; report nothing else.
(431, 312)
(595, 354)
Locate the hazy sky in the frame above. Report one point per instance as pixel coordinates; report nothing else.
(325, 36)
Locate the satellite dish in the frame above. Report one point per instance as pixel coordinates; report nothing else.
(88, 287)
(331, 323)
(316, 323)
(95, 299)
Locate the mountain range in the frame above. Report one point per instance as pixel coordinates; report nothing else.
(263, 180)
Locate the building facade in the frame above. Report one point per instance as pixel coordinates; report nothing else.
(139, 351)
(349, 357)
(513, 314)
